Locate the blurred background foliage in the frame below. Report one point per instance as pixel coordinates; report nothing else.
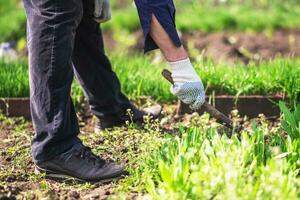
(192, 15)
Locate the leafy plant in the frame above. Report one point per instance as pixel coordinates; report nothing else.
(200, 164)
(291, 121)
(291, 125)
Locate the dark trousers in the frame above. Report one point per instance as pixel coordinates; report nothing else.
(63, 38)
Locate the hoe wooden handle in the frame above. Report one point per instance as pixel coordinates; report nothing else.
(221, 118)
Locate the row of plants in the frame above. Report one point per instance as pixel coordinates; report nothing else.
(141, 76)
(198, 163)
(203, 15)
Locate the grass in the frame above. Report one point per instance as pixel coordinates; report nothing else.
(14, 79)
(252, 16)
(140, 76)
(191, 162)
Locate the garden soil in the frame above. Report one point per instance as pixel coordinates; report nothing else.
(23, 185)
(231, 47)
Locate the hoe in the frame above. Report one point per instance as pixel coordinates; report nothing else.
(220, 117)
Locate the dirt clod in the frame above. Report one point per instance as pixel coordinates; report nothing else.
(73, 195)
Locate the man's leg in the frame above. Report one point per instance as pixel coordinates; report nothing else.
(56, 149)
(51, 32)
(93, 69)
(94, 72)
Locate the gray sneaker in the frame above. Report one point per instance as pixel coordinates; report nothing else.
(81, 164)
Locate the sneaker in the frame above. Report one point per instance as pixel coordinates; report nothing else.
(81, 164)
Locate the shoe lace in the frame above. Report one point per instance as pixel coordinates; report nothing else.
(86, 153)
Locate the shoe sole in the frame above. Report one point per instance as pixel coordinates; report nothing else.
(53, 175)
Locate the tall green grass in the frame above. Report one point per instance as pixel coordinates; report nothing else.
(140, 76)
(291, 126)
(14, 81)
(200, 164)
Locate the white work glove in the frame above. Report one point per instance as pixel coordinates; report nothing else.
(102, 12)
(187, 86)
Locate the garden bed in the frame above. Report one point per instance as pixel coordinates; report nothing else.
(184, 155)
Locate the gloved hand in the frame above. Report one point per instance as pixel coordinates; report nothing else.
(102, 12)
(187, 86)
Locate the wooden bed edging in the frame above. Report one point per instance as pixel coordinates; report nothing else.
(15, 107)
(250, 106)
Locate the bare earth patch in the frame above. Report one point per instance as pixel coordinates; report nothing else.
(231, 47)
